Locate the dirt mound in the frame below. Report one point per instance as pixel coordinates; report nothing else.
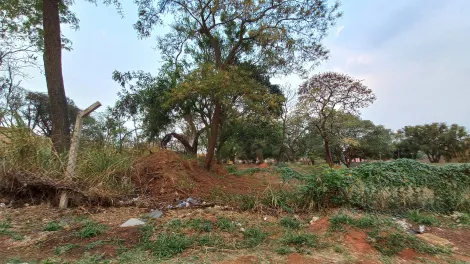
(166, 176)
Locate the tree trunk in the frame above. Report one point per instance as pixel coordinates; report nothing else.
(281, 149)
(328, 155)
(213, 137)
(55, 82)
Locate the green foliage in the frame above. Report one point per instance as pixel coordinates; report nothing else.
(247, 202)
(167, 245)
(339, 220)
(436, 140)
(300, 240)
(92, 229)
(225, 224)
(65, 248)
(97, 243)
(290, 222)
(211, 240)
(92, 259)
(253, 237)
(398, 185)
(419, 218)
(52, 226)
(5, 227)
(200, 225)
(284, 250)
(392, 244)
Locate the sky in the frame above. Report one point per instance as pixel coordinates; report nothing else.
(414, 55)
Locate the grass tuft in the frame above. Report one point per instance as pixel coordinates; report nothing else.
(92, 229)
(290, 222)
(419, 218)
(52, 226)
(254, 237)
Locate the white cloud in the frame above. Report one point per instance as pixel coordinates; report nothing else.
(339, 29)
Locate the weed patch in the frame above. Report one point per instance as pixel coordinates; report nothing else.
(254, 237)
(52, 226)
(64, 249)
(290, 222)
(92, 245)
(92, 229)
(300, 240)
(225, 224)
(419, 218)
(167, 245)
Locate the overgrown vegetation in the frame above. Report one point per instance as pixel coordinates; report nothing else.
(91, 229)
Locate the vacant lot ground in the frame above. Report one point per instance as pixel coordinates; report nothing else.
(41, 234)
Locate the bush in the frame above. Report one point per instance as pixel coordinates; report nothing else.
(419, 218)
(394, 186)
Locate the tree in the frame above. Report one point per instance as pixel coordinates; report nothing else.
(324, 95)
(36, 113)
(280, 35)
(436, 140)
(39, 22)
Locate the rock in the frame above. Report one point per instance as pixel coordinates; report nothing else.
(2, 205)
(155, 213)
(435, 240)
(403, 224)
(314, 219)
(242, 229)
(133, 222)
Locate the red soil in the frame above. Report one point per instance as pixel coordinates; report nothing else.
(166, 177)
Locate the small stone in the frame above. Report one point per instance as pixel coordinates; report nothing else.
(155, 213)
(133, 222)
(265, 218)
(314, 219)
(2, 205)
(242, 229)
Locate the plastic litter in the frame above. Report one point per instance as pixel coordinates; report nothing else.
(155, 214)
(133, 222)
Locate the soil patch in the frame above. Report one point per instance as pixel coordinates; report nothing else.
(459, 237)
(357, 240)
(167, 177)
(320, 226)
(241, 260)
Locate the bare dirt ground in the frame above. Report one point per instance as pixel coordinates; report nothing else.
(115, 243)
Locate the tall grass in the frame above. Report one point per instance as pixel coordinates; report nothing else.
(27, 158)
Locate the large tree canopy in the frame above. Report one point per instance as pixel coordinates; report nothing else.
(282, 36)
(325, 95)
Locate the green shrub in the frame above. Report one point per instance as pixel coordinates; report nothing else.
(254, 236)
(52, 226)
(290, 222)
(300, 239)
(419, 218)
(394, 243)
(225, 224)
(167, 245)
(92, 229)
(339, 220)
